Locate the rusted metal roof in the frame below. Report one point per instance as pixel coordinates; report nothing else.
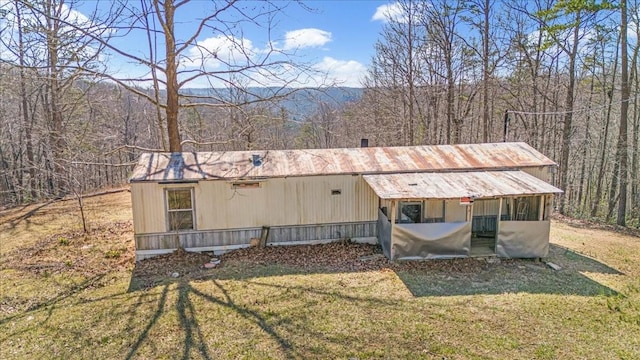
(449, 185)
(189, 166)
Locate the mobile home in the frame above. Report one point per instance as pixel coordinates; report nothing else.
(416, 201)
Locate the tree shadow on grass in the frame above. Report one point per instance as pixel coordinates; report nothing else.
(468, 276)
(187, 312)
(51, 303)
(514, 276)
(14, 221)
(210, 290)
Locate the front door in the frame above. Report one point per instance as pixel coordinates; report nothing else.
(484, 225)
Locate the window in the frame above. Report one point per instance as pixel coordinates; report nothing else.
(434, 211)
(180, 209)
(410, 212)
(526, 208)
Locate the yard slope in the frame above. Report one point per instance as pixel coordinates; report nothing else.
(66, 294)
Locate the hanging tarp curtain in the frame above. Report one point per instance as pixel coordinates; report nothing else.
(523, 239)
(431, 241)
(384, 233)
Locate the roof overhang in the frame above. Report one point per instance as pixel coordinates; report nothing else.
(450, 185)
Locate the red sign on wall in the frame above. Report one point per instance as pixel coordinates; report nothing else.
(466, 201)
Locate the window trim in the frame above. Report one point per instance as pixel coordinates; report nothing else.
(168, 211)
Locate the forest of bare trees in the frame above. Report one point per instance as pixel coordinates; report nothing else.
(559, 75)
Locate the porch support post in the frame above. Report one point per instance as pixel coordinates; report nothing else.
(499, 219)
(392, 219)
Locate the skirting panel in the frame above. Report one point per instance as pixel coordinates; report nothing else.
(235, 238)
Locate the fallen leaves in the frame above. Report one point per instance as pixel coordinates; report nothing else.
(106, 247)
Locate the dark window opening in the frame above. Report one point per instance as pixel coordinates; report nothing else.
(336, 192)
(526, 208)
(410, 213)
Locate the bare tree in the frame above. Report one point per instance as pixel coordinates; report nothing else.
(40, 41)
(175, 61)
(622, 151)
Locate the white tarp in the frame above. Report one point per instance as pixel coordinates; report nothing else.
(384, 233)
(523, 239)
(431, 241)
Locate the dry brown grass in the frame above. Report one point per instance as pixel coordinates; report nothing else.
(26, 225)
(64, 294)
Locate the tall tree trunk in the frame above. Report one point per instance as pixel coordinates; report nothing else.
(603, 147)
(25, 106)
(171, 110)
(451, 121)
(635, 162)
(566, 132)
(585, 147)
(56, 137)
(624, 108)
(485, 74)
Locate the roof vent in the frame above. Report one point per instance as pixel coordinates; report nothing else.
(255, 158)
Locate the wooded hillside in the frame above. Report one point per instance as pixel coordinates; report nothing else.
(559, 75)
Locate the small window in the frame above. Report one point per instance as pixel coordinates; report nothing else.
(410, 213)
(434, 211)
(180, 209)
(336, 192)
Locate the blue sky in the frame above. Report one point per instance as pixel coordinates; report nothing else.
(334, 37)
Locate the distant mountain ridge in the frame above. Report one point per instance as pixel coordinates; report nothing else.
(299, 103)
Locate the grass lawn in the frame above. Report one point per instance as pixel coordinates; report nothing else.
(69, 295)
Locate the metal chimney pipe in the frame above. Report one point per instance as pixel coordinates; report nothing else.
(255, 158)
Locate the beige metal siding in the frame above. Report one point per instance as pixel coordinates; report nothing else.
(486, 207)
(433, 209)
(147, 202)
(543, 173)
(454, 212)
(285, 201)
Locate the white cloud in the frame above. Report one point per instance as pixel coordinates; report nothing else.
(303, 38)
(327, 72)
(214, 51)
(342, 72)
(388, 12)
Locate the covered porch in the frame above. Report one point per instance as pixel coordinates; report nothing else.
(461, 214)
